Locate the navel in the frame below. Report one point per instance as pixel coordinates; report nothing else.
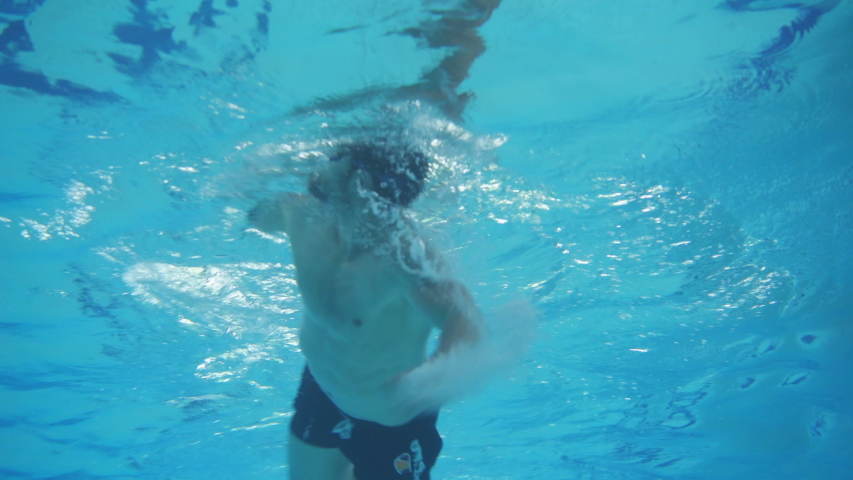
(357, 322)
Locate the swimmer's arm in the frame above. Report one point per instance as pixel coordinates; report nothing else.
(272, 215)
(463, 359)
(450, 307)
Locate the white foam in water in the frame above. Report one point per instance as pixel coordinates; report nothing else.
(468, 367)
(504, 336)
(676, 206)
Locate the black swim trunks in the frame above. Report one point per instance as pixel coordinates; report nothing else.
(378, 452)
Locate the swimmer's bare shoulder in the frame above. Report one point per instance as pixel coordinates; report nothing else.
(441, 298)
(278, 214)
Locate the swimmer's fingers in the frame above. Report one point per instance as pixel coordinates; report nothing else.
(275, 215)
(466, 368)
(447, 377)
(267, 216)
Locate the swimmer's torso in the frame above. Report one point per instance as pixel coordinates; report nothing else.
(359, 331)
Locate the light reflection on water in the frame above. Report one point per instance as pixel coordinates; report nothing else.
(633, 277)
(687, 248)
(638, 282)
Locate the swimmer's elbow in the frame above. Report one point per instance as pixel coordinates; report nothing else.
(457, 316)
(460, 329)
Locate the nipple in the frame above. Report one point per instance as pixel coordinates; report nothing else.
(357, 322)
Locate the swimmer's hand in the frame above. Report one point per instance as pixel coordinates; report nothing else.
(270, 215)
(463, 367)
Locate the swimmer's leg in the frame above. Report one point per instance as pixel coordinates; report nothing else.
(308, 462)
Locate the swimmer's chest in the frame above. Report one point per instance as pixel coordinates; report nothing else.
(358, 291)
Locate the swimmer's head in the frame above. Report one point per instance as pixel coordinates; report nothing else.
(396, 170)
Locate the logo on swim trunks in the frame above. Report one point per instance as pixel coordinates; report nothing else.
(414, 463)
(343, 429)
(403, 463)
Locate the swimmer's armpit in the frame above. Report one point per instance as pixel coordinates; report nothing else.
(271, 215)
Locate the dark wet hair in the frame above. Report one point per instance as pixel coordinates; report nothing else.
(397, 170)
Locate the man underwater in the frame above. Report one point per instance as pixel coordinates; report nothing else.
(373, 291)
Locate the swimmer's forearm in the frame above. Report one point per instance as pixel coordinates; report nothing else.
(451, 308)
(463, 327)
(468, 356)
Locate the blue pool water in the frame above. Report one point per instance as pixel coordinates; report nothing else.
(669, 183)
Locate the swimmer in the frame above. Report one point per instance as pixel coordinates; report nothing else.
(373, 291)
